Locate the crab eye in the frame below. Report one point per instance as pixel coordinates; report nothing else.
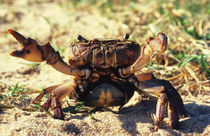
(126, 36)
(82, 39)
(27, 51)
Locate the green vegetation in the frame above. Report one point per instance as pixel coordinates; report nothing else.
(186, 23)
(16, 91)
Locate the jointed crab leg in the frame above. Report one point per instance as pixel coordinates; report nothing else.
(57, 93)
(144, 76)
(166, 95)
(154, 46)
(32, 51)
(47, 90)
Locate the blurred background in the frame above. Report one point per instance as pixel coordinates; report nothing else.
(185, 22)
(186, 63)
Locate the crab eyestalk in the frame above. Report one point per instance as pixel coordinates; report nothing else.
(32, 51)
(154, 47)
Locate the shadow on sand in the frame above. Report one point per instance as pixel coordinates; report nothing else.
(142, 112)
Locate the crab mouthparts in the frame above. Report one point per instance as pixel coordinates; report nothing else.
(21, 39)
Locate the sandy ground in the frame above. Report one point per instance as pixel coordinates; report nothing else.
(39, 22)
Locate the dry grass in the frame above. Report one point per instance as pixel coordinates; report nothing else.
(185, 63)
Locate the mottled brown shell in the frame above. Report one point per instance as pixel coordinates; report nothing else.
(100, 53)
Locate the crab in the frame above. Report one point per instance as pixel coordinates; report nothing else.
(106, 73)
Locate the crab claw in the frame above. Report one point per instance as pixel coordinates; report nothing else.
(30, 50)
(21, 39)
(154, 47)
(158, 44)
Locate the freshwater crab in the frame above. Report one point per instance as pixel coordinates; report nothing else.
(105, 74)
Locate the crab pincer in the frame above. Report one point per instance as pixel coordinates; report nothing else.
(30, 50)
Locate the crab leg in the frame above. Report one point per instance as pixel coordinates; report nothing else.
(57, 93)
(154, 46)
(144, 76)
(166, 95)
(47, 90)
(161, 111)
(32, 51)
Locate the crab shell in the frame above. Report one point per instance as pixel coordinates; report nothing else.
(103, 54)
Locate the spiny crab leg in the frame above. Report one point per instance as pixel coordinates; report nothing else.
(154, 47)
(32, 51)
